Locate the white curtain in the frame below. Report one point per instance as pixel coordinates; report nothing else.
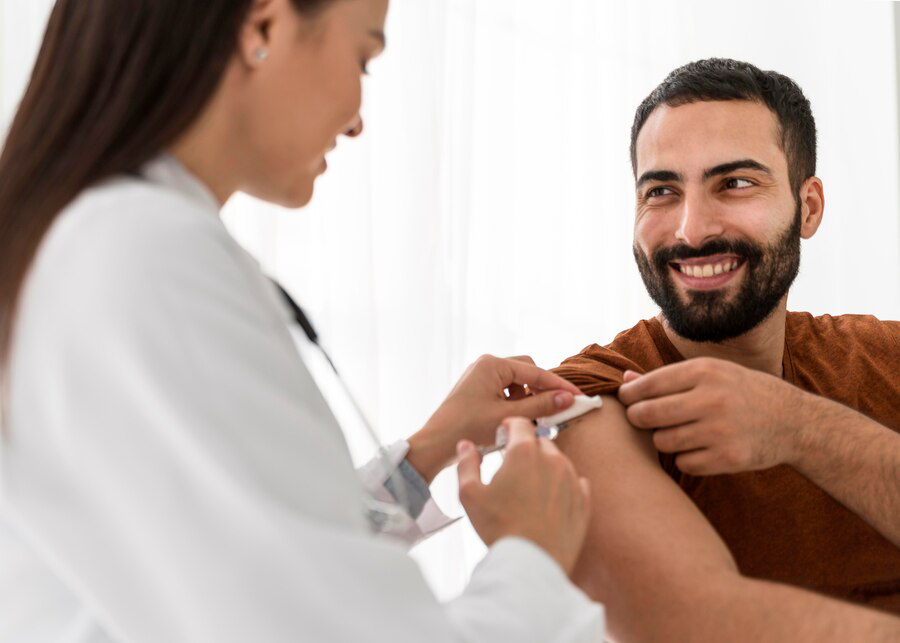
(488, 207)
(22, 25)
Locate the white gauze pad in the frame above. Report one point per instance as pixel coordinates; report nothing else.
(582, 405)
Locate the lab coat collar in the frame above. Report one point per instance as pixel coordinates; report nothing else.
(168, 171)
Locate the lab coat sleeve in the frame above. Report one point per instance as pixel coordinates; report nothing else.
(171, 459)
(519, 593)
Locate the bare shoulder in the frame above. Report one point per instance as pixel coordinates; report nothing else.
(660, 569)
(648, 546)
(603, 444)
(631, 492)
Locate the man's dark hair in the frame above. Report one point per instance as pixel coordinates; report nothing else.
(716, 79)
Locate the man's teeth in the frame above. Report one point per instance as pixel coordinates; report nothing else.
(709, 269)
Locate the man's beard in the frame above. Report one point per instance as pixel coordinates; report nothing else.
(707, 316)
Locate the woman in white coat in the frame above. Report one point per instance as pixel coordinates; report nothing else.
(168, 470)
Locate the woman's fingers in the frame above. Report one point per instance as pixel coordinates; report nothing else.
(519, 391)
(525, 359)
(516, 372)
(519, 430)
(542, 404)
(469, 471)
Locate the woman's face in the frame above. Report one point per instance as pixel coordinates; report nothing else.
(297, 101)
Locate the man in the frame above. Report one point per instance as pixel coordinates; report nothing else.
(799, 413)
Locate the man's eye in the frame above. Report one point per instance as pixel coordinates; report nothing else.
(738, 184)
(657, 192)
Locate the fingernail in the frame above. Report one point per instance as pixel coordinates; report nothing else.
(502, 435)
(562, 400)
(463, 447)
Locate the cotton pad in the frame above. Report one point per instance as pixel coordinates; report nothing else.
(582, 405)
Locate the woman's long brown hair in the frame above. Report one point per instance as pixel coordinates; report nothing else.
(115, 82)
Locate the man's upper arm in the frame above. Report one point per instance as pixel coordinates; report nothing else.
(648, 547)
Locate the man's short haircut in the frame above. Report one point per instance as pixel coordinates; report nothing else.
(721, 79)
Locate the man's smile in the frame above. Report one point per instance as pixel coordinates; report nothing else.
(707, 273)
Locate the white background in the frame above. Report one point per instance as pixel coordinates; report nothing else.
(488, 207)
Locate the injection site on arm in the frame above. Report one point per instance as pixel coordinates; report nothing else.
(662, 571)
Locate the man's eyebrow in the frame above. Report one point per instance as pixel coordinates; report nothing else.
(727, 168)
(657, 175)
(378, 35)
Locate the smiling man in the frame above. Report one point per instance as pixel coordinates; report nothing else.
(780, 427)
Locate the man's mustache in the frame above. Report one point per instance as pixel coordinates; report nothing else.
(740, 247)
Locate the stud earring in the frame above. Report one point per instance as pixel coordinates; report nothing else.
(261, 54)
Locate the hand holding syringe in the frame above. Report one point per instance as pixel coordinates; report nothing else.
(549, 427)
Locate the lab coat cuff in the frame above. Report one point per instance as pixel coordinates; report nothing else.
(390, 478)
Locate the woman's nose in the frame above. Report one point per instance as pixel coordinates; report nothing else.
(355, 129)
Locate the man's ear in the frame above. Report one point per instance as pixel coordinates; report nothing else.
(253, 39)
(812, 206)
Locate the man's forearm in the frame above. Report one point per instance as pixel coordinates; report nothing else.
(764, 611)
(852, 458)
(729, 607)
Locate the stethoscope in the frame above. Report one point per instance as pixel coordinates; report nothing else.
(381, 516)
(311, 334)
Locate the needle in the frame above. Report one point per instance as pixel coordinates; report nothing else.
(549, 432)
(551, 426)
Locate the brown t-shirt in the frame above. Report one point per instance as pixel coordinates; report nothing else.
(778, 525)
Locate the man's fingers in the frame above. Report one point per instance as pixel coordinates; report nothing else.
(548, 403)
(697, 463)
(674, 378)
(681, 439)
(469, 471)
(662, 412)
(516, 372)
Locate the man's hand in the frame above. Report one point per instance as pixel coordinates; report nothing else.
(478, 404)
(719, 417)
(536, 495)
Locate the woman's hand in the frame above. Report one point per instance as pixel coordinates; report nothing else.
(478, 404)
(535, 494)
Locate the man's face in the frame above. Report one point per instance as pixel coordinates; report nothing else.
(717, 228)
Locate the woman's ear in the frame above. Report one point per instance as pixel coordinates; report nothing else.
(253, 40)
(812, 206)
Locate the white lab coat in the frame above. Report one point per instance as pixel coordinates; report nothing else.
(169, 472)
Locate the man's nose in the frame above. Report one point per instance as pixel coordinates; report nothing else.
(698, 222)
(355, 128)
